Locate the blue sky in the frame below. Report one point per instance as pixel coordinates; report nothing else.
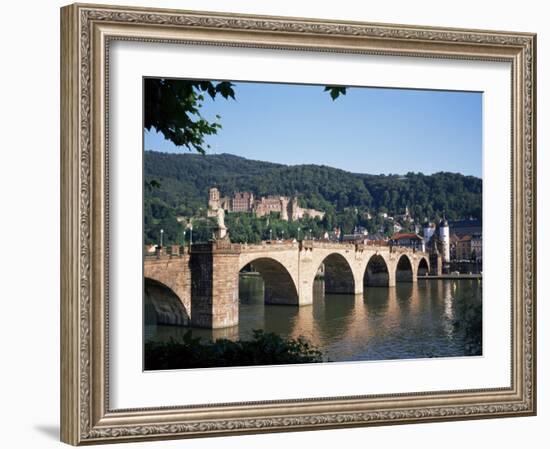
(369, 130)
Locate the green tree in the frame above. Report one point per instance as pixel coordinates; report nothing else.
(172, 107)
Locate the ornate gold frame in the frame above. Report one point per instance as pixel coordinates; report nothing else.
(86, 31)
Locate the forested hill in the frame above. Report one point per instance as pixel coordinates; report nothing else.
(185, 179)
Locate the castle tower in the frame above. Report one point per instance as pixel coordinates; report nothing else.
(296, 210)
(284, 209)
(251, 202)
(445, 240)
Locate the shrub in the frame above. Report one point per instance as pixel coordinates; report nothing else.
(263, 349)
(471, 324)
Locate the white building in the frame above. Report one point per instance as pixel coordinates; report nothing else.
(429, 230)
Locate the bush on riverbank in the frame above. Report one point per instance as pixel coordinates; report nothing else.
(263, 349)
(471, 324)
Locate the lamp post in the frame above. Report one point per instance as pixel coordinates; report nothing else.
(161, 234)
(270, 235)
(190, 234)
(283, 236)
(298, 233)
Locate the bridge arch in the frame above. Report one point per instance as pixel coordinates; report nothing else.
(423, 267)
(377, 272)
(163, 305)
(279, 285)
(338, 274)
(404, 271)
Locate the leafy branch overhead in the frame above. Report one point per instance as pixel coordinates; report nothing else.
(335, 91)
(173, 106)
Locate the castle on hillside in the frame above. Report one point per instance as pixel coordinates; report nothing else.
(287, 207)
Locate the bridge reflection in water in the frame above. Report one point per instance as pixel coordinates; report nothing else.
(410, 320)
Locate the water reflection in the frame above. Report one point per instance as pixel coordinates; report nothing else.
(410, 320)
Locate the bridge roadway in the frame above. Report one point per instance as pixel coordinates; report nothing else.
(205, 278)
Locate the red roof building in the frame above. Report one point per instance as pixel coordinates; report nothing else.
(407, 239)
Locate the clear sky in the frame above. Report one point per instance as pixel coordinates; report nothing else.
(369, 130)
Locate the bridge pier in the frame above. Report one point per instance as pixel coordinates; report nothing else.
(305, 294)
(214, 286)
(414, 272)
(392, 278)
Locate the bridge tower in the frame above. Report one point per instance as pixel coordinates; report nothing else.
(445, 243)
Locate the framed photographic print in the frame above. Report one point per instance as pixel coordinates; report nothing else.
(279, 224)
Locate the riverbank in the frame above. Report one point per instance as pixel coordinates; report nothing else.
(452, 276)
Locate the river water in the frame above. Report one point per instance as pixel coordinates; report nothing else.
(411, 320)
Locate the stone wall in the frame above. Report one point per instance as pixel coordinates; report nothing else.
(174, 273)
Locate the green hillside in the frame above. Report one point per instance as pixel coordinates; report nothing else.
(184, 179)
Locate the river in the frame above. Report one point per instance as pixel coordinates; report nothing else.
(411, 320)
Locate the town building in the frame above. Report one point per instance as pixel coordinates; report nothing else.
(477, 247)
(470, 247)
(428, 231)
(397, 227)
(359, 235)
(407, 240)
(464, 248)
(453, 246)
(377, 238)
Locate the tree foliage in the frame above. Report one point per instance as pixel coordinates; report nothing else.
(468, 320)
(172, 107)
(335, 91)
(263, 349)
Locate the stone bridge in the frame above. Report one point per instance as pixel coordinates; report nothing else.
(206, 277)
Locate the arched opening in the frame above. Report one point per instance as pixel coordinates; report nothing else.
(337, 275)
(278, 285)
(251, 285)
(404, 270)
(162, 305)
(376, 274)
(423, 268)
